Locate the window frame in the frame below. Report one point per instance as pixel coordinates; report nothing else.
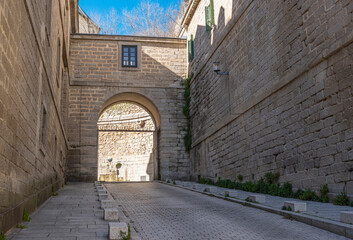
(129, 56)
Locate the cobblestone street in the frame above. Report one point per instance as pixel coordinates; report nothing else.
(158, 211)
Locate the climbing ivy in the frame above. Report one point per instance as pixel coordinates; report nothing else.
(186, 111)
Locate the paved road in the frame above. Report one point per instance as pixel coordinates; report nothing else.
(74, 214)
(163, 212)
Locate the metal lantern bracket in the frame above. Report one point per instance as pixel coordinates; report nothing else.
(217, 70)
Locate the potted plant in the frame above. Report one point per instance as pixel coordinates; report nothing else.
(118, 165)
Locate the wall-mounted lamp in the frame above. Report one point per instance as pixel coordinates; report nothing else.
(217, 70)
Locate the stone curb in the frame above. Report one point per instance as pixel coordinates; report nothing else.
(122, 217)
(339, 228)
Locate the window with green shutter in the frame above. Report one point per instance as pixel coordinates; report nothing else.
(191, 48)
(209, 16)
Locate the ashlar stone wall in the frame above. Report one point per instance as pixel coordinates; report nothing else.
(97, 77)
(34, 45)
(287, 103)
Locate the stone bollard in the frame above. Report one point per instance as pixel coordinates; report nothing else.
(103, 197)
(186, 184)
(102, 192)
(231, 193)
(115, 228)
(212, 189)
(257, 198)
(347, 217)
(198, 187)
(108, 204)
(111, 214)
(295, 206)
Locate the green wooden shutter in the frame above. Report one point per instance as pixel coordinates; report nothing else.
(191, 48)
(209, 16)
(211, 7)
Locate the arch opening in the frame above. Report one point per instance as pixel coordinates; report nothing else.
(127, 142)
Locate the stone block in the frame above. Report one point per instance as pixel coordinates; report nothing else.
(231, 193)
(186, 184)
(97, 182)
(100, 188)
(257, 198)
(212, 189)
(296, 206)
(102, 192)
(103, 197)
(177, 182)
(108, 204)
(198, 187)
(115, 229)
(111, 214)
(347, 217)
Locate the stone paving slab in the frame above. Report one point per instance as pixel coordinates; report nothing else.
(327, 223)
(161, 211)
(72, 215)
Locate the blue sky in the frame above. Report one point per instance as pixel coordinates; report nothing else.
(101, 6)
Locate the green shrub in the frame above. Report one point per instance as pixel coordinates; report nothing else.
(309, 196)
(324, 193)
(341, 199)
(238, 185)
(222, 183)
(173, 182)
(26, 217)
(209, 182)
(248, 186)
(231, 185)
(271, 178)
(124, 235)
(289, 208)
(284, 208)
(202, 180)
(2, 236)
(21, 226)
(273, 190)
(286, 190)
(240, 177)
(262, 187)
(298, 193)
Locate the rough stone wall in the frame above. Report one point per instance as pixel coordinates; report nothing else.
(32, 144)
(287, 103)
(132, 149)
(96, 77)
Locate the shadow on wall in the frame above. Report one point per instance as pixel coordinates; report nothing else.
(205, 40)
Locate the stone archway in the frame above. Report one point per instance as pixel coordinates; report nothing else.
(128, 127)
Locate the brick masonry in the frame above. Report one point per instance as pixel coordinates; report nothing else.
(97, 76)
(287, 103)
